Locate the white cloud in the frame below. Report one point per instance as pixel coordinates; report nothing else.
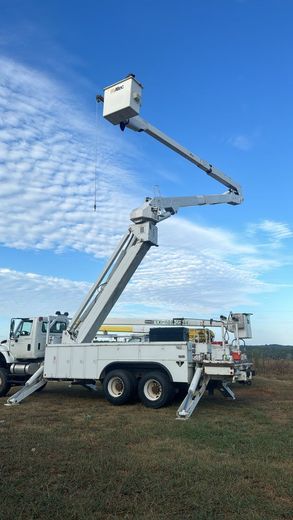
(47, 172)
(25, 294)
(196, 285)
(274, 231)
(211, 240)
(242, 142)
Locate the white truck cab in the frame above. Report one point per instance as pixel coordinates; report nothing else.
(22, 354)
(28, 335)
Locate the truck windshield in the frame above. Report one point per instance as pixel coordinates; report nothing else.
(22, 327)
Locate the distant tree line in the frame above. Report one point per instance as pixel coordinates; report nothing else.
(272, 351)
(271, 359)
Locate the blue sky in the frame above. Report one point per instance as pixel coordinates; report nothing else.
(218, 78)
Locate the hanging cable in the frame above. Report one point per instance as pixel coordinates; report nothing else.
(96, 161)
(99, 99)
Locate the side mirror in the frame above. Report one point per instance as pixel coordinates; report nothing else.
(12, 325)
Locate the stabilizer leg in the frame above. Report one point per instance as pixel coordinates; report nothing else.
(226, 390)
(195, 392)
(33, 383)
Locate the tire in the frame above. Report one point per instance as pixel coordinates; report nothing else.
(119, 387)
(4, 384)
(155, 389)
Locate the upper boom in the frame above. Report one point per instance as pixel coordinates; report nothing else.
(140, 125)
(122, 102)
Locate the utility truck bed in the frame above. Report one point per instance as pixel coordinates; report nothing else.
(93, 361)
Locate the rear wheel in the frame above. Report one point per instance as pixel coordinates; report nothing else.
(4, 384)
(155, 389)
(119, 386)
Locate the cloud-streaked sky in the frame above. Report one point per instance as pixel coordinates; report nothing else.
(54, 147)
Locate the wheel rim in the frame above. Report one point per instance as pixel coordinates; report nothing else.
(115, 386)
(153, 390)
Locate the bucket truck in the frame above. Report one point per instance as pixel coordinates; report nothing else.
(150, 369)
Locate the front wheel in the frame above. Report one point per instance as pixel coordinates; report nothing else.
(119, 386)
(4, 384)
(155, 389)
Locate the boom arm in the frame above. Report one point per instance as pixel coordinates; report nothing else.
(121, 106)
(140, 125)
(111, 283)
(141, 325)
(238, 323)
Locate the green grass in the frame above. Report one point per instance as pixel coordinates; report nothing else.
(68, 454)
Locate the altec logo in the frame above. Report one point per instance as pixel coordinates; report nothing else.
(115, 89)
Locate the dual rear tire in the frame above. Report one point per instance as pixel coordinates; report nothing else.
(154, 388)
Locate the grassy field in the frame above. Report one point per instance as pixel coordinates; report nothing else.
(68, 454)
